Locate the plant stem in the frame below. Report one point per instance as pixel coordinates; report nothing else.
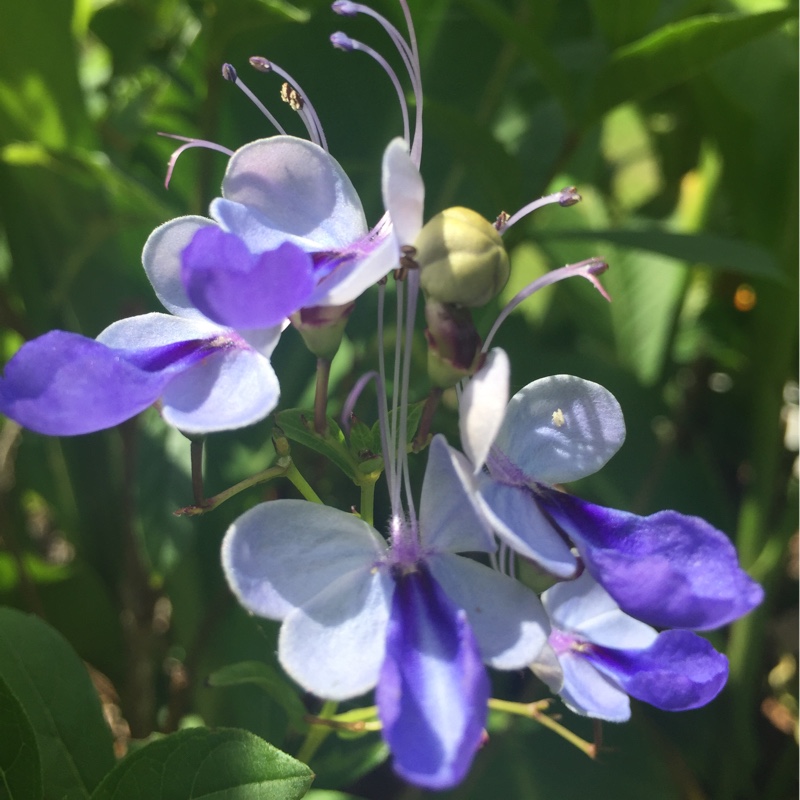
(317, 734)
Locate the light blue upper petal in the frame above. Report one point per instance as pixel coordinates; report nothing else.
(298, 188)
(561, 428)
(582, 606)
(449, 517)
(508, 620)
(403, 192)
(161, 258)
(281, 554)
(483, 406)
(253, 228)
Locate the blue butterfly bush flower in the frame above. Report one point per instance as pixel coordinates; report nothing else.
(667, 569)
(414, 620)
(604, 655)
(288, 238)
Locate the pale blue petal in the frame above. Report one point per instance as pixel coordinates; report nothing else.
(449, 518)
(547, 668)
(299, 188)
(561, 428)
(583, 607)
(508, 620)
(369, 261)
(334, 645)
(233, 387)
(281, 554)
(155, 330)
(253, 228)
(514, 515)
(588, 692)
(433, 690)
(483, 406)
(403, 192)
(162, 262)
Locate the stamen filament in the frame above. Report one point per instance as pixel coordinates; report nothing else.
(588, 269)
(408, 53)
(566, 197)
(230, 74)
(189, 144)
(343, 42)
(306, 112)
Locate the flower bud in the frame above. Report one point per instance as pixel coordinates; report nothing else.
(322, 328)
(461, 258)
(454, 346)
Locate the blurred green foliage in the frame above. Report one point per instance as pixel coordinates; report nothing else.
(677, 120)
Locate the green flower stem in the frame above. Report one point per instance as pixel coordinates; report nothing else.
(321, 395)
(301, 484)
(535, 711)
(318, 733)
(368, 501)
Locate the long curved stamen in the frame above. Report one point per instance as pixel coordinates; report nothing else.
(300, 102)
(589, 269)
(408, 53)
(343, 42)
(230, 74)
(566, 197)
(189, 144)
(402, 451)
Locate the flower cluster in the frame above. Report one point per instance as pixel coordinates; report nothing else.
(419, 615)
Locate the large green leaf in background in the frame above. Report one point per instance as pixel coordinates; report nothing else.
(20, 769)
(53, 687)
(199, 763)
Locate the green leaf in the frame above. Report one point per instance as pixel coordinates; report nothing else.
(20, 770)
(298, 426)
(673, 54)
(53, 686)
(225, 764)
(719, 252)
(268, 679)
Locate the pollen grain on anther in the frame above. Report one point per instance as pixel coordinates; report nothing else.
(291, 96)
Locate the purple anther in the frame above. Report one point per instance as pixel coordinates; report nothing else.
(345, 7)
(260, 63)
(229, 73)
(569, 196)
(342, 41)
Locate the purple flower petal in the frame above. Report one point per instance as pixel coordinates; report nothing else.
(239, 289)
(679, 671)
(63, 384)
(433, 688)
(668, 569)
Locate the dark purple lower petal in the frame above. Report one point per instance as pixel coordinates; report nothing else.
(679, 671)
(242, 290)
(433, 688)
(63, 384)
(668, 569)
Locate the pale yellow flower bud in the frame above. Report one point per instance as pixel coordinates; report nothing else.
(461, 258)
